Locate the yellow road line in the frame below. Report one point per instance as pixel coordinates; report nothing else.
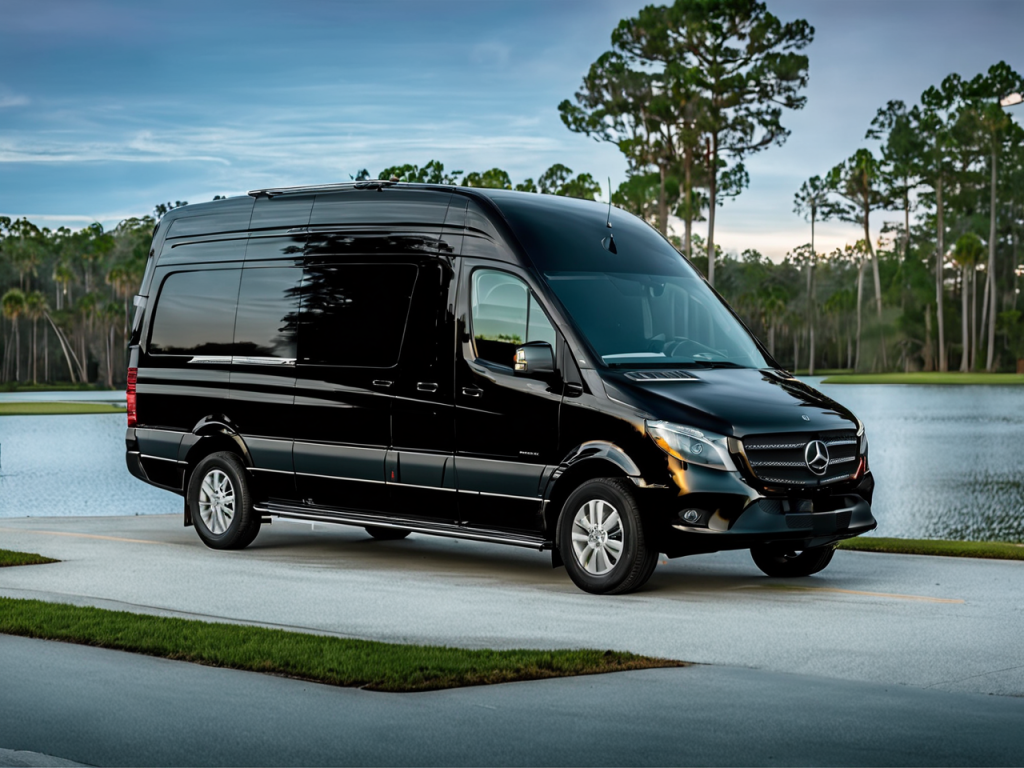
(855, 592)
(79, 535)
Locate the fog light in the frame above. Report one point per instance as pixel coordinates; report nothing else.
(691, 515)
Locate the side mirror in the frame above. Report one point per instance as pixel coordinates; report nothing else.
(534, 358)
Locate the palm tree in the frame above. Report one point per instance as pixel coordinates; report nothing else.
(63, 276)
(35, 307)
(13, 303)
(812, 202)
(968, 253)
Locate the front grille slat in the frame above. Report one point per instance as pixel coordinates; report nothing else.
(779, 459)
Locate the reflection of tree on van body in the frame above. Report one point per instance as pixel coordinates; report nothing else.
(351, 314)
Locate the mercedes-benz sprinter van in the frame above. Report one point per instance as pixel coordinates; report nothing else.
(498, 366)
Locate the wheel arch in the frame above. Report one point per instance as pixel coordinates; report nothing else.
(586, 461)
(210, 435)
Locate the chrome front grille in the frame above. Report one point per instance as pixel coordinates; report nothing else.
(779, 459)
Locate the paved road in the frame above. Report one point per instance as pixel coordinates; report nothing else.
(112, 708)
(936, 623)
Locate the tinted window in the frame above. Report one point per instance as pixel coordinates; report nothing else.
(354, 314)
(195, 313)
(505, 315)
(268, 307)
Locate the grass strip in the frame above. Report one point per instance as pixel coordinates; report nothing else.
(333, 660)
(8, 558)
(67, 386)
(55, 408)
(993, 550)
(926, 378)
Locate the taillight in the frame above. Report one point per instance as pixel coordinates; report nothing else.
(133, 375)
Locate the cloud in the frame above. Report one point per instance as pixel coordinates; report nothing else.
(492, 53)
(9, 98)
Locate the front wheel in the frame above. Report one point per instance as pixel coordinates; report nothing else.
(601, 539)
(785, 562)
(221, 503)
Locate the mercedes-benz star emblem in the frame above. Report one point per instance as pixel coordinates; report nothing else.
(816, 457)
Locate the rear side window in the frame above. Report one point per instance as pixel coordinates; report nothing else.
(195, 313)
(268, 312)
(505, 315)
(354, 314)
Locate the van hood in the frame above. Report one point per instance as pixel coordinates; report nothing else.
(732, 401)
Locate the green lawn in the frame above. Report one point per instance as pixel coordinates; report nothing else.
(333, 660)
(57, 408)
(7, 557)
(926, 378)
(66, 386)
(995, 550)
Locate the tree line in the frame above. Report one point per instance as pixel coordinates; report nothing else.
(689, 90)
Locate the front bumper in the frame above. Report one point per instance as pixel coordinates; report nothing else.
(720, 511)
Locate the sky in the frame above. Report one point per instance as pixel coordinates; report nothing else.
(108, 107)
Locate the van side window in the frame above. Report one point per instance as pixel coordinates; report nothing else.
(268, 311)
(505, 315)
(195, 313)
(354, 314)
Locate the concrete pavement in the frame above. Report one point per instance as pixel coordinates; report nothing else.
(939, 623)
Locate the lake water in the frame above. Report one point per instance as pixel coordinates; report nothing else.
(948, 462)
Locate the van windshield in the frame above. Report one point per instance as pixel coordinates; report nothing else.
(634, 319)
(641, 306)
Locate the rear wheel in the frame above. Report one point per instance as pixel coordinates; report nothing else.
(221, 502)
(601, 539)
(786, 562)
(387, 534)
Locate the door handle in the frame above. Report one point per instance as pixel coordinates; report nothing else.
(382, 383)
(472, 391)
(426, 386)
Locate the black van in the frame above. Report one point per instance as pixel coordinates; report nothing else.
(499, 366)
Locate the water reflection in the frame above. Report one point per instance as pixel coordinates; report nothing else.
(71, 465)
(947, 461)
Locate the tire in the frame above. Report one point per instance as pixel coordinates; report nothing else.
(784, 562)
(586, 525)
(387, 534)
(221, 502)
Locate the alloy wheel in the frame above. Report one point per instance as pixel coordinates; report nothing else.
(216, 501)
(598, 537)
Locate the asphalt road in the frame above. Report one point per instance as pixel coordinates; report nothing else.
(112, 708)
(877, 660)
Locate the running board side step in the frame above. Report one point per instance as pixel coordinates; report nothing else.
(416, 526)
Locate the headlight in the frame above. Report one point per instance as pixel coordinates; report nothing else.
(689, 444)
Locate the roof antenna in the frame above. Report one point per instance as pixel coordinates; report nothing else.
(609, 242)
(609, 222)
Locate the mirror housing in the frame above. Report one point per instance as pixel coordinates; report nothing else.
(534, 358)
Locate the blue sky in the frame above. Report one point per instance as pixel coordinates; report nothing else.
(107, 108)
